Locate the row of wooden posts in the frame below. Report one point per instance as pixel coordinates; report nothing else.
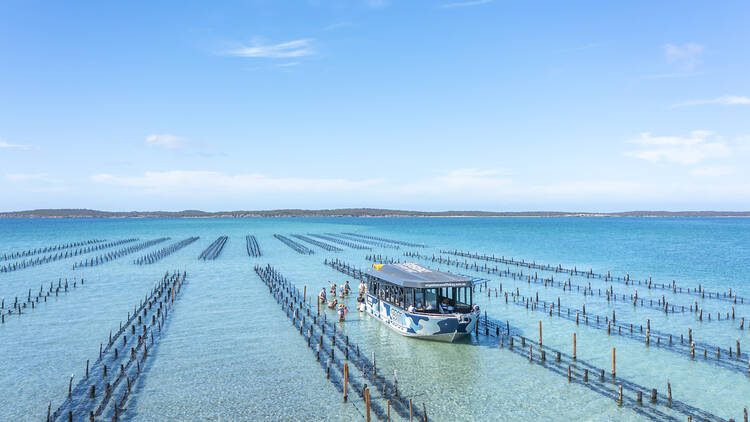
(339, 241)
(699, 290)
(383, 239)
(156, 256)
(45, 249)
(40, 297)
(318, 243)
(33, 262)
(352, 271)
(295, 246)
(370, 242)
(105, 258)
(298, 309)
(214, 249)
(80, 402)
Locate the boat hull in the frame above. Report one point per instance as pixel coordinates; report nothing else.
(437, 327)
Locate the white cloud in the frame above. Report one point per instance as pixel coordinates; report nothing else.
(377, 3)
(463, 4)
(31, 177)
(190, 181)
(725, 100)
(718, 171)
(698, 147)
(289, 49)
(165, 140)
(686, 56)
(4, 144)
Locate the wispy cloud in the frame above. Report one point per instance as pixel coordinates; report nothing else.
(698, 147)
(669, 75)
(717, 171)
(464, 4)
(579, 48)
(31, 177)
(338, 25)
(187, 181)
(725, 100)
(285, 50)
(166, 141)
(377, 3)
(686, 56)
(8, 145)
(36, 182)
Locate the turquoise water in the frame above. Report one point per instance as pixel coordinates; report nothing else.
(230, 353)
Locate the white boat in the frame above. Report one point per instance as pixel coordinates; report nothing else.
(419, 302)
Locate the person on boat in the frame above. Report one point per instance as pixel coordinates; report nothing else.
(412, 309)
(429, 307)
(347, 289)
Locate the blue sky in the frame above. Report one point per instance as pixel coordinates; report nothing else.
(428, 105)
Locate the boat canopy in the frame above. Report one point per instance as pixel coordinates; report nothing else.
(413, 275)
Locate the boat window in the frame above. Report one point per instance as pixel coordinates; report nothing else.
(419, 298)
(431, 299)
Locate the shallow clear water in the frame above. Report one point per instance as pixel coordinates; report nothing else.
(230, 353)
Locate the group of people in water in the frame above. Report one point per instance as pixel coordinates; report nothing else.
(342, 292)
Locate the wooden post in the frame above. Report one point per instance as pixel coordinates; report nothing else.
(540, 337)
(346, 380)
(424, 413)
(367, 404)
(411, 411)
(619, 396)
(574, 346)
(388, 411)
(613, 362)
(669, 393)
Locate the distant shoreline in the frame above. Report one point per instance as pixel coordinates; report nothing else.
(352, 212)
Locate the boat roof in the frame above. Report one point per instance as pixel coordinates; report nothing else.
(413, 275)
